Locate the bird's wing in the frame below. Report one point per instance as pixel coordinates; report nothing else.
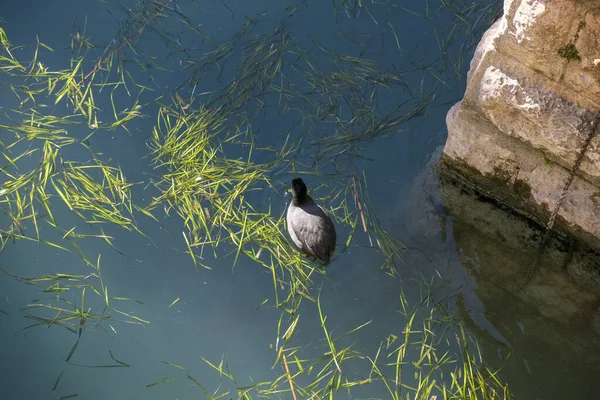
(314, 228)
(329, 230)
(304, 227)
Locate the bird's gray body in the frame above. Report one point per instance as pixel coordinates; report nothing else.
(311, 229)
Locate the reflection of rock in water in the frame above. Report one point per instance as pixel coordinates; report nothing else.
(551, 327)
(552, 323)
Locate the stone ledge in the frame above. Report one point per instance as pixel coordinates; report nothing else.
(525, 104)
(518, 175)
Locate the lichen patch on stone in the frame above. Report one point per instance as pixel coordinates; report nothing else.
(525, 16)
(495, 84)
(494, 81)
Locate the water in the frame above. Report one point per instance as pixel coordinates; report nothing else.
(218, 316)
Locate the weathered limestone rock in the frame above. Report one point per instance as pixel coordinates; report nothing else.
(531, 104)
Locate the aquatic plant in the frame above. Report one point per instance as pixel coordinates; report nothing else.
(425, 360)
(59, 307)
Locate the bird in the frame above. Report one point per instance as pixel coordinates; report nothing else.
(309, 226)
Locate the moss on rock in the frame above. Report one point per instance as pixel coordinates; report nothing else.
(569, 51)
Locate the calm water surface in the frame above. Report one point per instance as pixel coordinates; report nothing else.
(217, 316)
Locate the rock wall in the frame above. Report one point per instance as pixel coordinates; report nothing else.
(531, 108)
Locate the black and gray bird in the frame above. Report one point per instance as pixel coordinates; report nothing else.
(308, 224)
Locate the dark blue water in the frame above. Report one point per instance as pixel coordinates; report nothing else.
(218, 316)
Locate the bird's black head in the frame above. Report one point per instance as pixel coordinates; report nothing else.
(299, 190)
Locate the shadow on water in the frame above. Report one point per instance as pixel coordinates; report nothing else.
(544, 333)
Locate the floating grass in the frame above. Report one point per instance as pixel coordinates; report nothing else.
(57, 380)
(27, 194)
(208, 190)
(105, 200)
(61, 308)
(420, 360)
(164, 380)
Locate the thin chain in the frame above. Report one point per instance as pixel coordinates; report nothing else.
(561, 199)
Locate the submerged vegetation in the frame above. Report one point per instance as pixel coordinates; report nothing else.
(410, 365)
(210, 165)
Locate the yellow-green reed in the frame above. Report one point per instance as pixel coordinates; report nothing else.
(58, 305)
(421, 360)
(209, 190)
